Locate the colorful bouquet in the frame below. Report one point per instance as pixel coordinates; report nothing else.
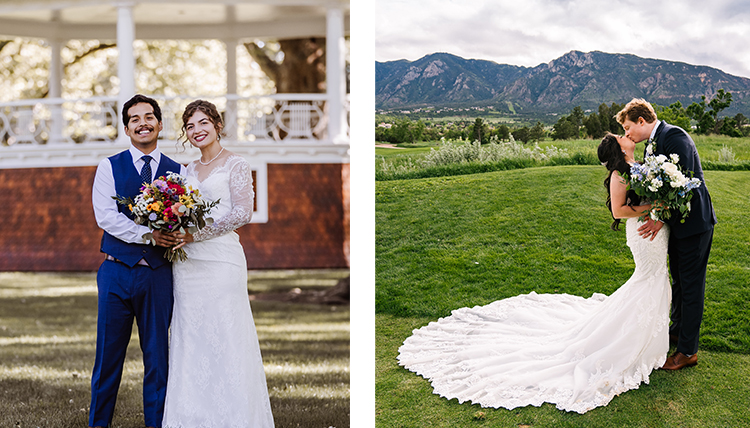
(659, 179)
(169, 205)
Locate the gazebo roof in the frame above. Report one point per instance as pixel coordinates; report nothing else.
(159, 19)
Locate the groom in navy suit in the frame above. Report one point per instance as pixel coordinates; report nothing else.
(135, 280)
(689, 242)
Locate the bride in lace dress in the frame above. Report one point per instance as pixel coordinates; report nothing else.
(216, 376)
(577, 353)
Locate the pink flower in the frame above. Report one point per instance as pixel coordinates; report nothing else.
(176, 209)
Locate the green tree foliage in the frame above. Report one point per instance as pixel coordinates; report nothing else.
(576, 117)
(742, 124)
(675, 114)
(537, 132)
(564, 129)
(480, 131)
(522, 134)
(404, 131)
(163, 67)
(593, 126)
(607, 118)
(503, 132)
(707, 114)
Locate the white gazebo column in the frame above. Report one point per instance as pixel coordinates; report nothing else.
(55, 93)
(55, 85)
(336, 75)
(230, 115)
(125, 60)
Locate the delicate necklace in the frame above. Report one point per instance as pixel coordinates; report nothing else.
(206, 163)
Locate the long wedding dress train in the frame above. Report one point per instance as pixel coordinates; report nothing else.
(216, 377)
(574, 352)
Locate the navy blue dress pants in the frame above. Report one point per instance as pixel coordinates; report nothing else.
(126, 293)
(688, 262)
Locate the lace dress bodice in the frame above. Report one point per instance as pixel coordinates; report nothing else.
(232, 184)
(575, 352)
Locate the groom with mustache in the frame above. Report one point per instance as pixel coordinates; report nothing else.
(135, 280)
(689, 242)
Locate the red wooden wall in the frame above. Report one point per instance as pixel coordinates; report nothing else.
(47, 220)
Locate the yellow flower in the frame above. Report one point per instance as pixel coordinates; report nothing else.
(187, 200)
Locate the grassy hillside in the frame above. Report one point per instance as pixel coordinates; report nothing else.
(445, 243)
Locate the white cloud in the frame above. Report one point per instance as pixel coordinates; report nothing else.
(531, 32)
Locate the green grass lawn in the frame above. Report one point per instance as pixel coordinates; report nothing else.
(449, 242)
(48, 336)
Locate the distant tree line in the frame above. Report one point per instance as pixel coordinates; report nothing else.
(705, 116)
(701, 118)
(405, 131)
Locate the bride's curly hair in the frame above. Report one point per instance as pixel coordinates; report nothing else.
(612, 157)
(210, 110)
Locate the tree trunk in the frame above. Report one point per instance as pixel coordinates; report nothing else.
(303, 69)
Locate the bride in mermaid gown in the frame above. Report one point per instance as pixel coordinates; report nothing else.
(577, 353)
(216, 376)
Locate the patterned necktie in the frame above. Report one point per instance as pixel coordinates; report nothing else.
(146, 170)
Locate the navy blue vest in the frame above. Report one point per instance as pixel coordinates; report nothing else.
(128, 184)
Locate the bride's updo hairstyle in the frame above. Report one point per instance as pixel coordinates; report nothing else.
(207, 108)
(611, 156)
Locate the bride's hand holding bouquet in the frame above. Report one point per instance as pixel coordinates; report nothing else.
(170, 206)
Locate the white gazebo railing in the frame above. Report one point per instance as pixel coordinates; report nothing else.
(263, 119)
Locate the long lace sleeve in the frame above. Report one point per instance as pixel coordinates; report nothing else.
(242, 195)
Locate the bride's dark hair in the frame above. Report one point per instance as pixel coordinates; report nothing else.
(613, 158)
(210, 110)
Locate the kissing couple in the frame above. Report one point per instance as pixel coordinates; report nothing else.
(579, 353)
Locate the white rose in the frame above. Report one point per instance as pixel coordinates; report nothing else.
(661, 158)
(670, 169)
(678, 182)
(674, 157)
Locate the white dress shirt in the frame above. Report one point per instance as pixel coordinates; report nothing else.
(653, 131)
(108, 217)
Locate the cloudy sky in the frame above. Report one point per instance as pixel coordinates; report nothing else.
(530, 32)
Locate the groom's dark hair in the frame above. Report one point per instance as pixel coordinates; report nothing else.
(137, 99)
(637, 107)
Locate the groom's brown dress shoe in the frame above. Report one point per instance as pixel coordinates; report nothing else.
(679, 360)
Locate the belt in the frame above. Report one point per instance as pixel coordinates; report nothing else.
(141, 262)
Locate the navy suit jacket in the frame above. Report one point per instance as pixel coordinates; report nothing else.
(673, 139)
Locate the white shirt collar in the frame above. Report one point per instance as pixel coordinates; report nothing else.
(653, 131)
(136, 154)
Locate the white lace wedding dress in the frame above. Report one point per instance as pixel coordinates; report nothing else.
(573, 352)
(216, 377)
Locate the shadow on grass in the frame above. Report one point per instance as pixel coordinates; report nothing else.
(47, 345)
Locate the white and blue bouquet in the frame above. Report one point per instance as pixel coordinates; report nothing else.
(660, 179)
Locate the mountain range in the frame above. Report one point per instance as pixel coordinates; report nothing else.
(585, 79)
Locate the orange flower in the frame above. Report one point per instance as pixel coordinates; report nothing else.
(176, 209)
